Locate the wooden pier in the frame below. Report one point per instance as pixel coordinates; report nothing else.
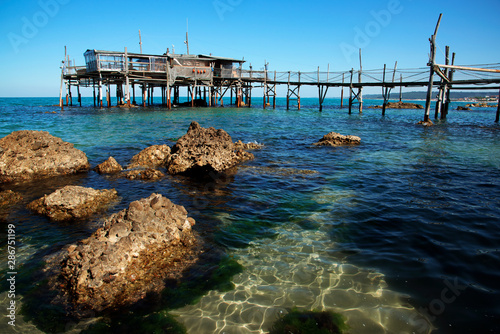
(208, 79)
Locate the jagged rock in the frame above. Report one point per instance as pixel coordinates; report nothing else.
(144, 174)
(153, 156)
(247, 146)
(204, 150)
(72, 202)
(132, 255)
(8, 198)
(463, 108)
(336, 139)
(108, 167)
(26, 155)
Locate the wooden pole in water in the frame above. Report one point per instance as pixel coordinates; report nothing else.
(298, 94)
(274, 91)
(93, 91)
(401, 88)
(100, 90)
(431, 71)
(384, 93)
(108, 94)
(360, 91)
(288, 93)
(350, 92)
(497, 118)
(342, 93)
(448, 91)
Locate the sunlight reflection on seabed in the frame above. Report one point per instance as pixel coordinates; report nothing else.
(296, 269)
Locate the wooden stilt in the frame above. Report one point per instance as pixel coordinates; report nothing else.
(497, 118)
(342, 93)
(350, 92)
(108, 95)
(133, 94)
(360, 90)
(447, 95)
(93, 91)
(79, 95)
(431, 71)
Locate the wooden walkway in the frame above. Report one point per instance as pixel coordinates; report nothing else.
(208, 79)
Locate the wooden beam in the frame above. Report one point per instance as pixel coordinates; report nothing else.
(466, 68)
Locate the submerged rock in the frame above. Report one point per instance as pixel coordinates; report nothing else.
(130, 256)
(109, 166)
(9, 198)
(73, 202)
(144, 174)
(26, 155)
(204, 150)
(336, 139)
(153, 156)
(425, 123)
(246, 146)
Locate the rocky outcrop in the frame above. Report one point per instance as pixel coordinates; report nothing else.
(153, 156)
(399, 105)
(204, 150)
(144, 174)
(26, 155)
(132, 255)
(463, 108)
(109, 166)
(336, 139)
(239, 145)
(73, 202)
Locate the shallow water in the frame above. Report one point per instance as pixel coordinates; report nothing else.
(399, 234)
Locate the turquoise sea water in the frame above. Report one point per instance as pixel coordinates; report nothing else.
(399, 234)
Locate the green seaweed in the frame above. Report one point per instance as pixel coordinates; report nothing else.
(309, 322)
(155, 323)
(190, 291)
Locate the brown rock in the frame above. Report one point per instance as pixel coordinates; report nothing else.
(73, 202)
(204, 150)
(132, 255)
(336, 139)
(8, 198)
(26, 155)
(247, 146)
(425, 123)
(108, 167)
(144, 174)
(153, 156)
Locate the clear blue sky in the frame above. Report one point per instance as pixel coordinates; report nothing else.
(290, 35)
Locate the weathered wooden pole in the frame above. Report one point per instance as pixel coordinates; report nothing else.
(360, 91)
(448, 91)
(431, 71)
(342, 92)
(497, 118)
(108, 96)
(384, 93)
(401, 88)
(350, 92)
(144, 95)
(274, 91)
(93, 91)
(298, 94)
(100, 90)
(288, 93)
(127, 81)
